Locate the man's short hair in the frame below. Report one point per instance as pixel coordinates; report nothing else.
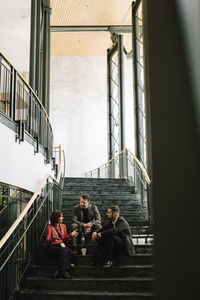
(85, 197)
(114, 208)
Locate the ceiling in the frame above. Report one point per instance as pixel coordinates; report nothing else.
(87, 12)
(15, 27)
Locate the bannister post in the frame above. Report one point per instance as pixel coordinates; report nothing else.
(121, 165)
(14, 95)
(11, 91)
(125, 163)
(98, 172)
(46, 55)
(109, 169)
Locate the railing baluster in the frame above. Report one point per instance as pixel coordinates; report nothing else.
(19, 102)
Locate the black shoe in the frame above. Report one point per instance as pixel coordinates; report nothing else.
(108, 264)
(75, 251)
(66, 275)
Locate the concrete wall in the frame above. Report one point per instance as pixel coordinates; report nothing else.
(15, 32)
(19, 166)
(78, 110)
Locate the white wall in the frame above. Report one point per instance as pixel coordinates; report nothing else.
(15, 32)
(18, 164)
(78, 110)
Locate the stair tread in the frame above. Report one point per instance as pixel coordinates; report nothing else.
(82, 292)
(93, 279)
(149, 266)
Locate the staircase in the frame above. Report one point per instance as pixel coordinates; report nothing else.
(132, 279)
(103, 193)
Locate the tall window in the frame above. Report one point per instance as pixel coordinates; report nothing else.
(138, 44)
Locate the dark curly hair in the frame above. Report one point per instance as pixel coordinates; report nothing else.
(56, 214)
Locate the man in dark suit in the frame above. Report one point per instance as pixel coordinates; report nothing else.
(85, 218)
(113, 239)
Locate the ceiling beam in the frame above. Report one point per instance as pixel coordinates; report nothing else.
(112, 28)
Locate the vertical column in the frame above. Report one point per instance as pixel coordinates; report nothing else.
(46, 55)
(38, 46)
(109, 107)
(175, 148)
(121, 104)
(135, 99)
(34, 66)
(121, 93)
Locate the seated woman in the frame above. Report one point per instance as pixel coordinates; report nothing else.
(56, 235)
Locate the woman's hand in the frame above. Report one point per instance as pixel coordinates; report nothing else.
(54, 238)
(74, 233)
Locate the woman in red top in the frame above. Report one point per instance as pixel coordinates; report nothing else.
(56, 235)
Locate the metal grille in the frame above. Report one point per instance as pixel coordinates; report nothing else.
(114, 79)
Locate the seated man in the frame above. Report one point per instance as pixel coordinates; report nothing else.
(113, 239)
(86, 219)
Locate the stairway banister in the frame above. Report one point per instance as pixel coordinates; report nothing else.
(140, 165)
(33, 198)
(135, 159)
(3, 209)
(26, 83)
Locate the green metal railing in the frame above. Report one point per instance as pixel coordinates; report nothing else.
(19, 103)
(125, 165)
(19, 245)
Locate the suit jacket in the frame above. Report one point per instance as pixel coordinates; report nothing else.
(93, 215)
(51, 231)
(122, 229)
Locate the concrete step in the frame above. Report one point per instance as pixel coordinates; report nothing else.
(103, 197)
(123, 207)
(127, 214)
(80, 260)
(95, 180)
(92, 187)
(125, 284)
(97, 272)
(98, 184)
(107, 191)
(82, 295)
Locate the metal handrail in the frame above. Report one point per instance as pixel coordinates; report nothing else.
(144, 172)
(2, 211)
(26, 83)
(20, 104)
(31, 201)
(64, 168)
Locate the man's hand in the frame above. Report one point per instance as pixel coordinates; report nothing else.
(87, 230)
(89, 224)
(94, 236)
